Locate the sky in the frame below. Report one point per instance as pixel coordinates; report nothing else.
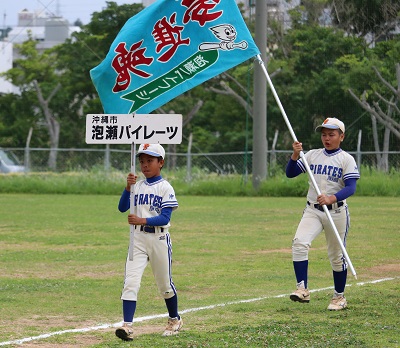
(69, 9)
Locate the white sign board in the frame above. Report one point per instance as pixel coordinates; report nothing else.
(133, 128)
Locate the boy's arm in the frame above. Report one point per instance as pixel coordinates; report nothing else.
(292, 169)
(348, 190)
(160, 220)
(124, 201)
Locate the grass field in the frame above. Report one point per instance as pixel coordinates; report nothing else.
(62, 263)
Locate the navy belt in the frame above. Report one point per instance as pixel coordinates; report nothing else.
(149, 229)
(329, 206)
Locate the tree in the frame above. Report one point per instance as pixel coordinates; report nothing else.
(35, 75)
(78, 23)
(4, 33)
(309, 12)
(362, 17)
(17, 116)
(371, 80)
(310, 83)
(78, 55)
(385, 110)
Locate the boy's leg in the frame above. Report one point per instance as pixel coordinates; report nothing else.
(308, 229)
(301, 272)
(339, 281)
(128, 309)
(161, 265)
(341, 219)
(301, 294)
(175, 322)
(133, 274)
(172, 306)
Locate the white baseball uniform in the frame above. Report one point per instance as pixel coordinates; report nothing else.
(330, 170)
(151, 243)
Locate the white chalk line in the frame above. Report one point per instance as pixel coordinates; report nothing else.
(157, 316)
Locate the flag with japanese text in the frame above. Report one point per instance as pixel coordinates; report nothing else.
(168, 48)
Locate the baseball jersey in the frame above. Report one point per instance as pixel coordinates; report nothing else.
(149, 198)
(329, 170)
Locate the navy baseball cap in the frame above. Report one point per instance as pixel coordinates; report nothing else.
(155, 150)
(331, 123)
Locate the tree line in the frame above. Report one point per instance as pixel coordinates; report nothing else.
(345, 64)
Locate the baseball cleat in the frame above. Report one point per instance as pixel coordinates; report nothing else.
(125, 332)
(173, 326)
(300, 295)
(337, 303)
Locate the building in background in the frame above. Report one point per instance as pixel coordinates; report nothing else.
(6, 61)
(47, 31)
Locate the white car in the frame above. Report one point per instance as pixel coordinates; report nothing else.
(9, 163)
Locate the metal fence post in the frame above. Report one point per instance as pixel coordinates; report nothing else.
(107, 158)
(359, 150)
(189, 159)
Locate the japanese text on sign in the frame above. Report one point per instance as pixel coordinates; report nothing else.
(129, 128)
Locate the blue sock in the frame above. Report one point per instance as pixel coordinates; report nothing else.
(301, 271)
(172, 306)
(128, 308)
(339, 280)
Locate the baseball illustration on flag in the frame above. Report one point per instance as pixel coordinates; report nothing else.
(169, 48)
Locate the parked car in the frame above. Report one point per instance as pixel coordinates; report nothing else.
(9, 163)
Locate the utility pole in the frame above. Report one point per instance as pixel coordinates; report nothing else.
(58, 11)
(260, 145)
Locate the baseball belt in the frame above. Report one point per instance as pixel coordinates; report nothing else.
(149, 229)
(329, 206)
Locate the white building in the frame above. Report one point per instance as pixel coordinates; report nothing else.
(47, 31)
(5, 64)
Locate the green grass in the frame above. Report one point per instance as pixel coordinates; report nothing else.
(62, 262)
(372, 183)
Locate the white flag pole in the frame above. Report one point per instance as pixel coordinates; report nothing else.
(344, 251)
(132, 198)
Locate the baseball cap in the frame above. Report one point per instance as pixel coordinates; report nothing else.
(331, 123)
(155, 150)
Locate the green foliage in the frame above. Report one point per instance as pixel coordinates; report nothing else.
(320, 65)
(33, 66)
(110, 20)
(35, 74)
(309, 12)
(71, 182)
(362, 17)
(372, 183)
(361, 77)
(16, 117)
(376, 183)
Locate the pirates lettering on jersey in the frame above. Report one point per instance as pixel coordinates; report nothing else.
(151, 200)
(333, 173)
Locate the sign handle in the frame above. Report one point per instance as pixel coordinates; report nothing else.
(132, 227)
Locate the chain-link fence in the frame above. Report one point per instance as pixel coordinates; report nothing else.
(36, 160)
